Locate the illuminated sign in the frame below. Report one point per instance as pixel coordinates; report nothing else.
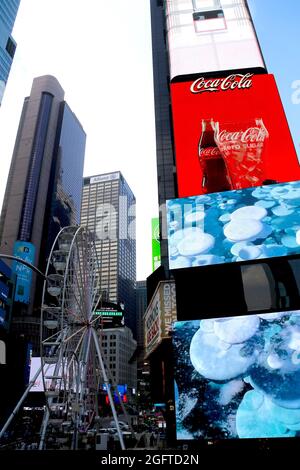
(25, 251)
(102, 178)
(229, 136)
(2, 352)
(210, 36)
(233, 226)
(160, 314)
(238, 377)
(156, 262)
(108, 313)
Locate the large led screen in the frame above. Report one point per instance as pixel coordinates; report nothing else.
(234, 226)
(238, 377)
(209, 36)
(230, 133)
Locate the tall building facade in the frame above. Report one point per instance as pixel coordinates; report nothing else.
(166, 176)
(8, 13)
(118, 347)
(43, 192)
(108, 211)
(141, 306)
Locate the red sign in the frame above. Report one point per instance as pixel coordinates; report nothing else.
(231, 133)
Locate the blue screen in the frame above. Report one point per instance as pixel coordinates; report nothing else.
(234, 226)
(238, 377)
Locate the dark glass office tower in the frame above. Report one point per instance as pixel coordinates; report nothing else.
(8, 13)
(163, 120)
(108, 210)
(141, 305)
(43, 190)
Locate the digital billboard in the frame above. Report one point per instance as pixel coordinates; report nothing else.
(228, 136)
(159, 316)
(234, 226)
(155, 244)
(25, 251)
(210, 36)
(35, 364)
(111, 314)
(238, 377)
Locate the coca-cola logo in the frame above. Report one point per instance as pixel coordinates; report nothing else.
(253, 134)
(210, 152)
(231, 82)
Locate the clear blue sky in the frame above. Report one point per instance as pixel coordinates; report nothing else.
(277, 26)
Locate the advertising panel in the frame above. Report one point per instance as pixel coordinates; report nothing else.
(26, 252)
(230, 133)
(110, 317)
(238, 377)
(155, 244)
(160, 314)
(35, 364)
(234, 226)
(4, 291)
(210, 36)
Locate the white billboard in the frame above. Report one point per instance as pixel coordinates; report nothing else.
(209, 36)
(160, 314)
(35, 364)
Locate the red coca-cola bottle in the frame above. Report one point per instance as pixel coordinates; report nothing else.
(243, 145)
(215, 177)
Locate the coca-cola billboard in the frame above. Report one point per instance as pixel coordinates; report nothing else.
(210, 36)
(230, 133)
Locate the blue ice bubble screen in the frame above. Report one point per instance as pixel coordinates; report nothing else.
(233, 226)
(238, 377)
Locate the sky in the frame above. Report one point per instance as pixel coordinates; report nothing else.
(277, 28)
(100, 51)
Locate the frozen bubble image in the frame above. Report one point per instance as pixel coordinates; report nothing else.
(282, 210)
(289, 417)
(273, 250)
(244, 230)
(246, 389)
(207, 325)
(289, 241)
(237, 247)
(194, 218)
(204, 260)
(274, 361)
(262, 192)
(266, 219)
(225, 217)
(181, 262)
(265, 203)
(271, 316)
(292, 197)
(253, 419)
(237, 329)
(249, 212)
(278, 191)
(215, 362)
(195, 242)
(229, 390)
(250, 252)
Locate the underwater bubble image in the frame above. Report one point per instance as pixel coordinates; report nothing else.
(238, 377)
(233, 226)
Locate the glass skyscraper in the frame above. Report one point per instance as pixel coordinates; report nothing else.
(108, 210)
(43, 192)
(8, 13)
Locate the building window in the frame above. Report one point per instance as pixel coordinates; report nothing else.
(11, 47)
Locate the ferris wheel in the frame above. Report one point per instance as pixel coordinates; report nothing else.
(71, 360)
